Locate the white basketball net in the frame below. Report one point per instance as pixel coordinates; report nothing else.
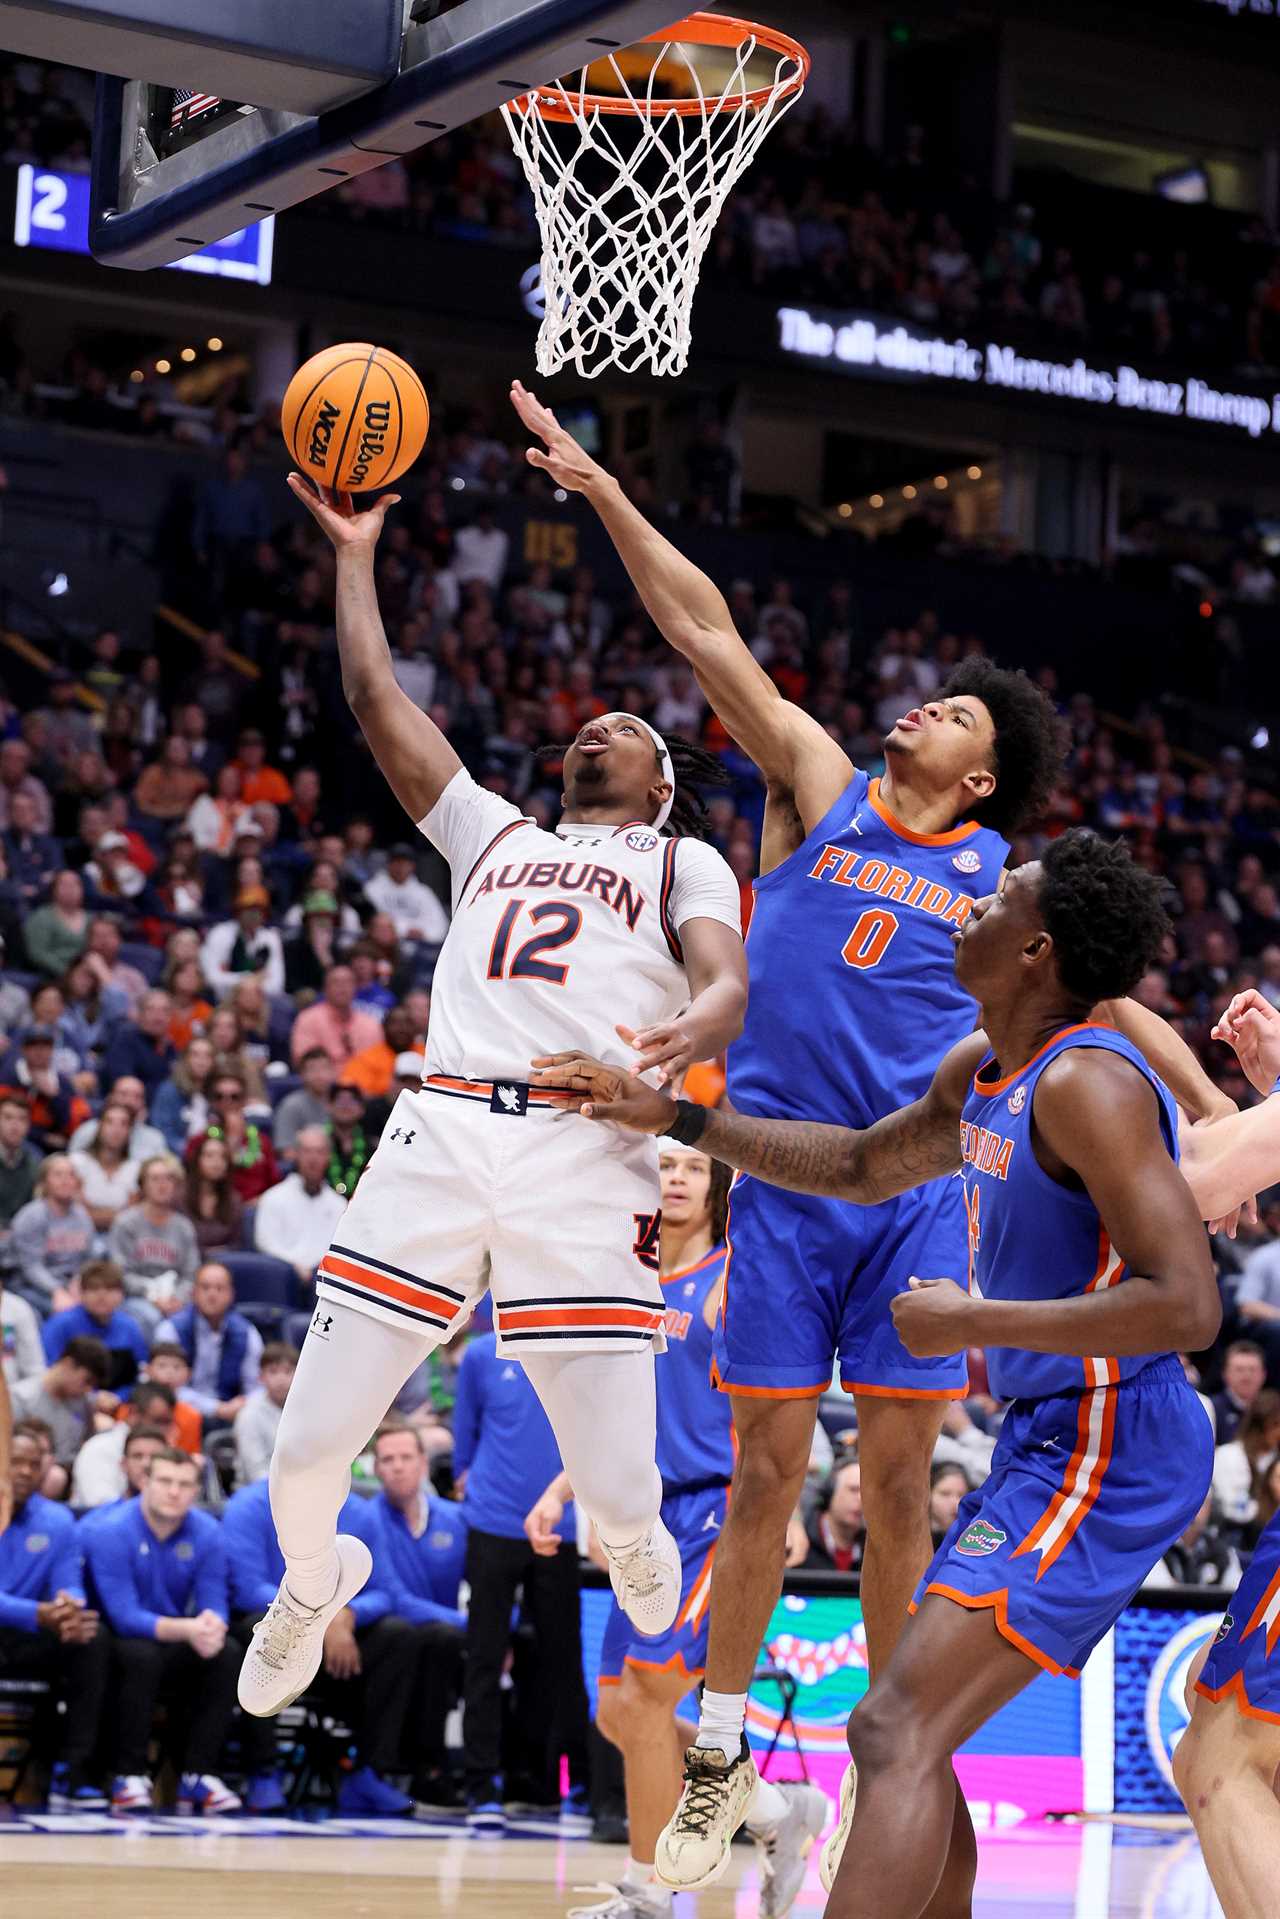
(626, 205)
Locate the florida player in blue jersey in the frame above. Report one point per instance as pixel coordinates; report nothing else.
(643, 1680)
(853, 1001)
(1088, 1266)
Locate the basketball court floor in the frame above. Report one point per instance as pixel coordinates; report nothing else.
(98, 1868)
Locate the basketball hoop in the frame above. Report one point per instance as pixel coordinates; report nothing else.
(625, 222)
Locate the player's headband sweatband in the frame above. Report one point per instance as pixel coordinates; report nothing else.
(664, 759)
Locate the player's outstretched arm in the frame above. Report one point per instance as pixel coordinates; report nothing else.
(1230, 1158)
(414, 755)
(912, 1146)
(791, 749)
(1168, 1055)
(1096, 1118)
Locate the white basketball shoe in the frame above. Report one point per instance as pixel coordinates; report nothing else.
(693, 1846)
(646, 1581)
(284, 1654)
(783, 1850)
(833, 1850)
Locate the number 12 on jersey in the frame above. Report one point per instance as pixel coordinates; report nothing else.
(563, 923)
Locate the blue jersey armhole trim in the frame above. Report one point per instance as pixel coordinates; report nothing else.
(820, 834)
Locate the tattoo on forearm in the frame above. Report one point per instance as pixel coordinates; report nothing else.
(907, 1149)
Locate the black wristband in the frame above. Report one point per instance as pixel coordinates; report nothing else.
(689, 1124)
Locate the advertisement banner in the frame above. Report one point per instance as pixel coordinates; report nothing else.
(1153, 1653)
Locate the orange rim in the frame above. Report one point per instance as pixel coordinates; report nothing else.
(700, 30)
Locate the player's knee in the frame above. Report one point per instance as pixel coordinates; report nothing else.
(886, 1730)
(610, 1714)
(768, 1477)
(895, 1492)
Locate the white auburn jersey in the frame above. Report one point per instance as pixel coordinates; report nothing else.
(557, 936)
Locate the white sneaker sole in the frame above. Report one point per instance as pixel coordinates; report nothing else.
(355, 1563)
(833, 1850)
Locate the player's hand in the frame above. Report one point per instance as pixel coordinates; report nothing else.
(597, 1091)
(671, 1046)
(564, 460)
(336, 514)
(341, 1652)
(1251, 1027)
(934, 1318)
(540, 1525)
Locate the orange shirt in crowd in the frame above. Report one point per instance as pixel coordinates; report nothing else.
(372, 1070)
(268, 783)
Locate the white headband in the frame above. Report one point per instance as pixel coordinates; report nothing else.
(664, 756)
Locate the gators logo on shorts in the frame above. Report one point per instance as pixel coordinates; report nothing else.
(979, 1539)
(1225, 1630)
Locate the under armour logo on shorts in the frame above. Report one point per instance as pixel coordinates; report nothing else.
(406, 1137)
(510, 1098)
(321, 1323)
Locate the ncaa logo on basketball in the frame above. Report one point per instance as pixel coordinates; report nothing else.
(641, 841)
(1017, 1099)
(966, 862)
(1165, 1711)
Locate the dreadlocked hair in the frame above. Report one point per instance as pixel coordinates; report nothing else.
(1104, 914)
(692, 768)
(1028, 751)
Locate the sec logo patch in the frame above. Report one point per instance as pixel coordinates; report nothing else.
(641, 841)
(967, 862)
(1017, 1100)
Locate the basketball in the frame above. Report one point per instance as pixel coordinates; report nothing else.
(355, 417)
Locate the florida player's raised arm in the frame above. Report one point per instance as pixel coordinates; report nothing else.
(791, 749)
(1229, 1158)
(918, 1143)
(413, 754)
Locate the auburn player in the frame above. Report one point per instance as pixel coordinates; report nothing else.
(853, 1002)
(477, 1181)
(642, 1681)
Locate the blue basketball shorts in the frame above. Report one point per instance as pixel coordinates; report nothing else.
(810, 1285)
(694, 1520)
(1244, 1659)
(1087, 1491)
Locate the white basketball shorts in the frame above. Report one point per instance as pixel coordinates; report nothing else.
(477, 1186)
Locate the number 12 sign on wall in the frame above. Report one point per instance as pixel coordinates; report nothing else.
(52, 210)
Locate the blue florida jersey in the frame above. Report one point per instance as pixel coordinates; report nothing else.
(854, 997)
(695, 1422)
(1029, 1236)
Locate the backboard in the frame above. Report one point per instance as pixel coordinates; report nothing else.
(175, 168)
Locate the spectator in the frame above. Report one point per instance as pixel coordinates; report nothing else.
(31, 856)
(16, 777)
(103, 953)
(368, 1652)
(144, 1140)
(296, 1220)
(55, 935)
(420, 1549)
(1244, 1374)
(155, 1245)
(373, 1070)
(948, 1484)
(1201, 1557)
(258, 1420)
(171, 785)
(413, 908)
(91, 1011)
(243, 945)
(334, 1022)
(180, 1108)
(52, 1105)
(310, 954)
(253, 1159)
(104, 1472)
(836, 1531)
(1240, 1462)
(108, 1177)
(51, 1238)
(211, 1201)
(65, 1395)
(100, 1315)
(350, 1147)
(144, 1051)
(161, 1571)
(504, 1445)
(19, 1160)
(48, 1630)
(258, 781)
(168, 1365)
(21, 1347)
(1258, 1304)
(481, 551)
(223, 1348)
(307, 1105)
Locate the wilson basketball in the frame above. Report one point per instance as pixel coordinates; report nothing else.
(355, 417)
